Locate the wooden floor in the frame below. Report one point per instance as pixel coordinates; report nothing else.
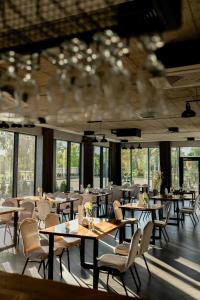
(175, 267)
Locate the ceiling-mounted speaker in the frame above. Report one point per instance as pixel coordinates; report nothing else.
(190, 138)
(88, 132)
(173, 129)
(127, 132)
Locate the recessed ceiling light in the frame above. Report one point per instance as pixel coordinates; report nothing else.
(190, 138)
(16, 125)
(173, 129)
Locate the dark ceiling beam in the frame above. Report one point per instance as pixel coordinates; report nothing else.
(180, 54)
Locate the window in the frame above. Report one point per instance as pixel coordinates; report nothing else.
(126, 166)
(6, 163)
(96, 167)
(26, 165)
(139, 166)
(190, 151)
(74, 166)
(67, 173)
(105, 166)
(175, 167)
(61, 166)
(154, 164)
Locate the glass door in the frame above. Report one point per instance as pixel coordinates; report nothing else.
(189, 176)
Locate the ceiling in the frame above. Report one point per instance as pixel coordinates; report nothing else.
(181, 84)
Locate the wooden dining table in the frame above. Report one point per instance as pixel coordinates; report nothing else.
(15, 210)
(102, 227)
(152, 208)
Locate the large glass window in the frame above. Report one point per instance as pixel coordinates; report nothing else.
(61, 166)
(140, 166)
(175, 167)
(126, 166)
(6, 163)
(74, 166)
(190, 151)
(105, 166)
(26, 165)
(96, 167)
(154, 164)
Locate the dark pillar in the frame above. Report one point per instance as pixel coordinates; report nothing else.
(87, 163)
(165, 165)
(115, 163)
(47, 172)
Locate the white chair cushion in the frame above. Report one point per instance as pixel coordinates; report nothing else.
(113, 261)
(130, 221)
(122, 249)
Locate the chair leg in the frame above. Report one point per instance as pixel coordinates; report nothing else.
(123, 283)
(116, 234)
(166, 233)
(196, 216)
(43, 263)
(146, 264)
(162, 231)
(25, 265)
(68, 261)
(138, 277)
(133, 276)
(4, 238)
(60, 262)
(192, 220)
(107, 279)
(39, 266)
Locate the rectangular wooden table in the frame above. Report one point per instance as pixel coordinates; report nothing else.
(72, 229)
(7, 210)
(152, 208)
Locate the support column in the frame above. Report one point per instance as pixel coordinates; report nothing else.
(115, 163)
(87, 163)
(47, 171)
(165, 165)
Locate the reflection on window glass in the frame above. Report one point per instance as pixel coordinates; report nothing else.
(140, 166)
(96, 167)
(190, 151)
(175, 167)
(125, 166)
(105, 166)
(154, 164)
(61, 166)
(6, 163)
(26, 165)
(74, 166)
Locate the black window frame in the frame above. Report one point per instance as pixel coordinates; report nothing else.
(100, 164)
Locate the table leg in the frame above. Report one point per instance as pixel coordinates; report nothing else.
(98, 206)
(95, 267)
(71, 210)
(106, 204)
(153, 216)
(177, 212)
(58, 208)
(82, 252)
(51, 254)
(15, 228)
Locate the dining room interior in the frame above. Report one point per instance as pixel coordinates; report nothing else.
(100, 149)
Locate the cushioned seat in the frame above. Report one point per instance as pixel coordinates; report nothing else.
(122, 249)
(113, 261)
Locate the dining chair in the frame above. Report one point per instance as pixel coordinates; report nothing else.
(43, 209)
(28, 212)
(61, 243)
(6, 219)
(123, 249)
(118, 265)
(32, 248)
(119, 216)
(191, 211)
(161, 224)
